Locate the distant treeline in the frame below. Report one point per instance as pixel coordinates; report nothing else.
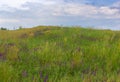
(2, 28)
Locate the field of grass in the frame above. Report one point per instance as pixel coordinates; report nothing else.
(59, 54)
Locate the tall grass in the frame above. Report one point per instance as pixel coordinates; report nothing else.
(59, 54)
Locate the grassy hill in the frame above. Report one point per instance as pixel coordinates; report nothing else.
(59, 54)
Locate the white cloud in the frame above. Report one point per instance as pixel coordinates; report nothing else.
(80, 10)
(8, 21)
(108, 11)
(86, 11)
(18, 4)
(60, 8)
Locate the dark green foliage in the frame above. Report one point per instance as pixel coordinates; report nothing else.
(2, 28)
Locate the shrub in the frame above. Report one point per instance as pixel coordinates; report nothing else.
(2, 28)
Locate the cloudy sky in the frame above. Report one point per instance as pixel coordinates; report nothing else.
(28, 13)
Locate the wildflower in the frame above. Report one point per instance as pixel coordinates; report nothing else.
(46, 78)
(24, 73)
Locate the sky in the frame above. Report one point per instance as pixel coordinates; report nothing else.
(101, 14)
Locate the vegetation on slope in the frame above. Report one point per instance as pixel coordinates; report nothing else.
(59, 54)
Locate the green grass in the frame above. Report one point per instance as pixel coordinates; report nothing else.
(59, 54)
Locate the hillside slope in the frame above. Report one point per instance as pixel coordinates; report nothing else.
(59, 54)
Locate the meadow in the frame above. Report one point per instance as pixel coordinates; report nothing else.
(59, 54)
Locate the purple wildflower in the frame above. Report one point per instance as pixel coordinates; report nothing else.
(46, 78)
(41, 74)
(24, 73)
(1, 55)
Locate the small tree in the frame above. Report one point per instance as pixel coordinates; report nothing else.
(20, 27)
